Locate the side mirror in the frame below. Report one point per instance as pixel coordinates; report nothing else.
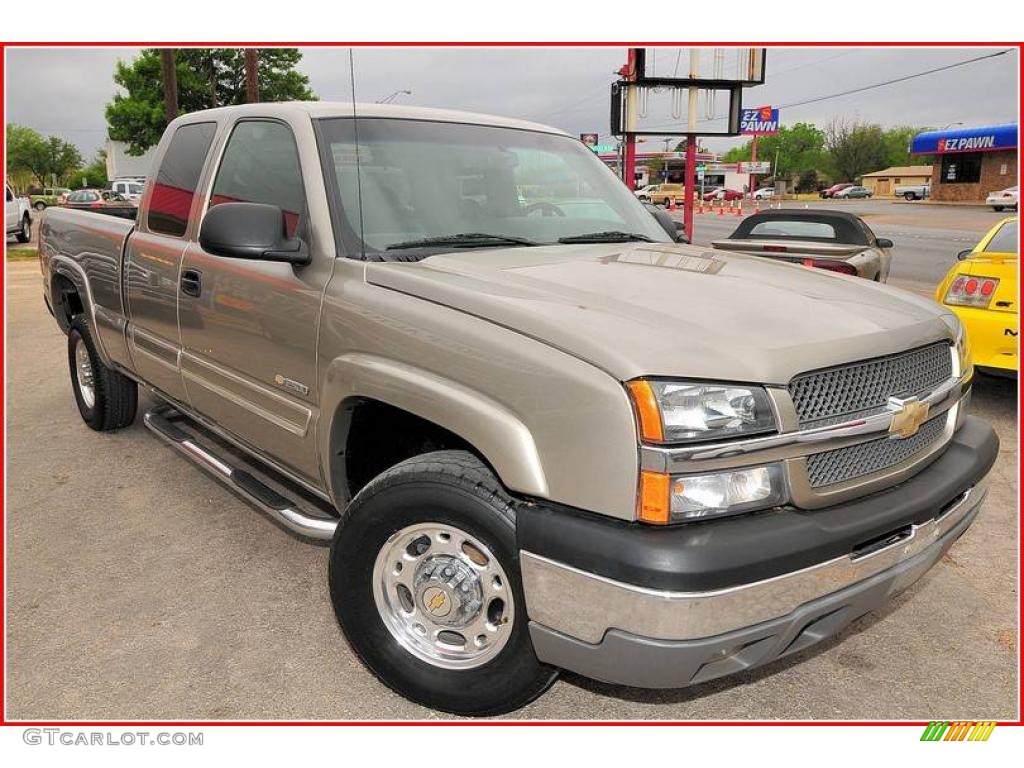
(671, 226)
(250, 231)
(883, 242)
(964, 254)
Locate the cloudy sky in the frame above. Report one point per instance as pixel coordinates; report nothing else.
(63, 91)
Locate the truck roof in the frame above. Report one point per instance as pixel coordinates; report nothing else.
(326, 109)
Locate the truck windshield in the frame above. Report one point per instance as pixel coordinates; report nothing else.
(410, 188)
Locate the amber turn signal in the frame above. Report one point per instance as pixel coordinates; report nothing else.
(647, 410)
(654, 505)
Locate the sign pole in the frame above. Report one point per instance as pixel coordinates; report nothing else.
(691, 172)
(629, 170)
(753, 159)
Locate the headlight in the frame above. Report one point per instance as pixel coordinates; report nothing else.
(678, 498)
(682, 412)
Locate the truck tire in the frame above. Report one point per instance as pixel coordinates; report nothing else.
(424, 578)
(106, 399)
(25, 231)
(39, 205)
(909, 196)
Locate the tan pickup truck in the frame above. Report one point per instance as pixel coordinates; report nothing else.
(537, 431)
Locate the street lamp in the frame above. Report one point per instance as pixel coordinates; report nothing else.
(391, 96)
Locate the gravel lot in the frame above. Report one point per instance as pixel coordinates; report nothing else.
(138, 588)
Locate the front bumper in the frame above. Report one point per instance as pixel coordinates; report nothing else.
(715, 598)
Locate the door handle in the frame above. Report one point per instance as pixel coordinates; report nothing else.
(192, 282)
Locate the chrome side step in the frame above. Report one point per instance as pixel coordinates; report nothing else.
(263, 497)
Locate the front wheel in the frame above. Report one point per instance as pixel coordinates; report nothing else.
(997, 208)
(909, 196)
(39, 205)
(107, 400)
(424, 578)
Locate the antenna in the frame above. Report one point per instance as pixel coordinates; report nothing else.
(355, 131)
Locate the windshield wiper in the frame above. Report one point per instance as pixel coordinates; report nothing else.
(609, 236)
(463, 240)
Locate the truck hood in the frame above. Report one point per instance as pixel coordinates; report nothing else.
(652, 309)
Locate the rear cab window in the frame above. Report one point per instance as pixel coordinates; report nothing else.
(176, 181)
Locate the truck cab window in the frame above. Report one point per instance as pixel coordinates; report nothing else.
(261, 165)
(178, 177)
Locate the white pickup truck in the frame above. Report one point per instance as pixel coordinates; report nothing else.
(913, 191)
(17, 216)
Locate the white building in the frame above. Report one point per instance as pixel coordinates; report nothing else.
(120, 163)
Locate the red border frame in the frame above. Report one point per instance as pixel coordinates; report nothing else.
(4, 722)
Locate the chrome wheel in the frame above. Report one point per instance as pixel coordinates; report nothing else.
(443, 595)
(84, 374)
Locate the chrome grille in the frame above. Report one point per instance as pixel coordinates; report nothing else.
(831, 395)
(843, 464)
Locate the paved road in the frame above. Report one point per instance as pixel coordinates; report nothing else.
(927, 237)
(139, 588)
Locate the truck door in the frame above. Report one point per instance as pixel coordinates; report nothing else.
(248, 327)
(153, 259)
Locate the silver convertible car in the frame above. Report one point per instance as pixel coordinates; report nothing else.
(832, 240)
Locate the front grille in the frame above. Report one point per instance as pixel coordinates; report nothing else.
(842, 464)
(834, 394)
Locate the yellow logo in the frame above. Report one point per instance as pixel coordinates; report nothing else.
(909, 418)
(436, 602)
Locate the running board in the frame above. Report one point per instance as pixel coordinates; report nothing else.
(263, 497)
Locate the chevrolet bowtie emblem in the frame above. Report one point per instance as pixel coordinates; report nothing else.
(908, 416)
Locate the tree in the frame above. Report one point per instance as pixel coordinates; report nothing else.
(94, 174)
(207, 77)
(44, 158)
(799, 148)
(854, 149)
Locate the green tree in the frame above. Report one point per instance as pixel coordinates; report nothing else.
(207, 77)
(854, 149)
(799, 148)
(94, 174)
(44, 158)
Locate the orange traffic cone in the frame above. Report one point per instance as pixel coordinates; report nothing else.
(739, 207)
(721, 209)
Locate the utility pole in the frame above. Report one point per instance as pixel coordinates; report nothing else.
(252, 80)
(691, 146)
(170, 78)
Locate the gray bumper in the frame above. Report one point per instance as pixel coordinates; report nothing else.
(617, 655)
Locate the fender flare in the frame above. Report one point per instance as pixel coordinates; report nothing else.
(502, 439)
(72, 271)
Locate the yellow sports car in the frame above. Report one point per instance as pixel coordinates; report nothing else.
(982, 290)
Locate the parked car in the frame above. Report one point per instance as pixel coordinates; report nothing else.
(644, 193)
(853, 192)
(981, 288)
(827, 239)
(721, 193)
(102, 201)
(764, 193)
(826, 193)
(662, 194)
(46, 197)
(129, 188)
(534, 441)
(913, 191)
(17, 216)
(1004, 198)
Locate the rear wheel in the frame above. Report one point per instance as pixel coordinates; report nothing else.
(909, 196)
(107, 400)
(997, 208)
(424, 578)
(25, 232)
(39, 205)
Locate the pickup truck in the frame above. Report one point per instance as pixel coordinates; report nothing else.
(17, 216)
(913, 191)
(538, 433)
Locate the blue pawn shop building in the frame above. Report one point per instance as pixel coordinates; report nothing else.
(969, 163)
